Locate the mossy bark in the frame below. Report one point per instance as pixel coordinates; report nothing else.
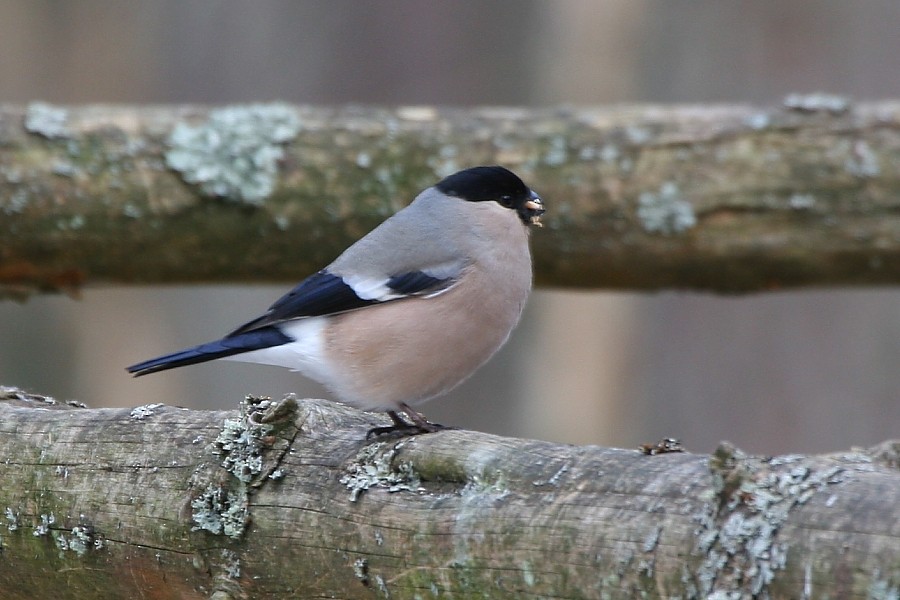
(723, 198)
(289, 500)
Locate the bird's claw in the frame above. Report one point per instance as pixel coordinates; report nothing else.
(401, 428)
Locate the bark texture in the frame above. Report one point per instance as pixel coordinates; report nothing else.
(289, 500)
(723, 198)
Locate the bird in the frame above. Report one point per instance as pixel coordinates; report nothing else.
(410, 310)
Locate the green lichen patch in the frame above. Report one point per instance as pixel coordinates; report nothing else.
(223, 507)
(245, 440)
(235, 153)
(665, 211)
(240, 444)
(374, 466)
(738, 527)
(220, 512)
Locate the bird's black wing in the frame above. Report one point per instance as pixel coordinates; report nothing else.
(326, 294)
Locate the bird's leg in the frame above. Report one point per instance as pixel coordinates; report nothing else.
(400, 427)
(424, 425)
(397, 419)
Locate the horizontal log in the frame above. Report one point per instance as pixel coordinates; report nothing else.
(722, 198)
(289, 499)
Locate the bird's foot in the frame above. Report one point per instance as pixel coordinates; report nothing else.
(402, 428)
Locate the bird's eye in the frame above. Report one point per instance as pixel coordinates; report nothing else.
(506, 201)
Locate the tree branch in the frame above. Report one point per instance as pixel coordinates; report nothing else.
(288, 499)
(725, 198)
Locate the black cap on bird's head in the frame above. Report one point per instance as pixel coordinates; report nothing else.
(495, 184)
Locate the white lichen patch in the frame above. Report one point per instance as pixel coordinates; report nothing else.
(61, 542)
(43, 527)
(802, 201)
(481, 489)
(417, 113)
(12, 519)
(361, 570)
(554, 479)
(652, 539)
(373, 467)
(14, 203)
(638, 135)
(139, 413)
(817, 102)
(758, 120)
(381, 584)
(363, 160)
(47, 120)
(446, 162)
(231, 563)
(527, 573)
(235, 153)
(883, 589)
(863, 161)
(80, 540)
(282, 222)
(558, 152)
(665, 211)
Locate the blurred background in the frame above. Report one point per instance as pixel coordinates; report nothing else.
(786, 372)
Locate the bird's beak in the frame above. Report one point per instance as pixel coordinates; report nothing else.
(532, 210)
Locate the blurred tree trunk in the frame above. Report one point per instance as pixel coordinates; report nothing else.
(289, 500)
(725, 198)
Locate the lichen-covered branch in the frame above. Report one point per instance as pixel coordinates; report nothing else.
(726, 198)
(288, 499)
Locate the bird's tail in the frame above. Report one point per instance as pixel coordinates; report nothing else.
(228, 346)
